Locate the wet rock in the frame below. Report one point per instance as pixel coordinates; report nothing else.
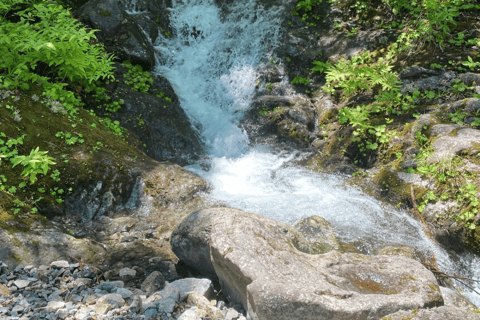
(154, 282)
(161, 125)
(397, 251)
(454, 299)
(318, 234)
(290, 118)
(444, 312)
(255, 261)
(119, 32)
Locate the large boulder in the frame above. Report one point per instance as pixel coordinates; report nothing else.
(258, 266)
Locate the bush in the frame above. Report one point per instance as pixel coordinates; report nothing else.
(48, 45)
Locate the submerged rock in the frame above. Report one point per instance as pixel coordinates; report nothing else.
(258, 266)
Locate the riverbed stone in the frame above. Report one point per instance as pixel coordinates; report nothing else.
(205, 309)
(108, 302)
(258, 267)
(180, 289)
(153, 283)
(4, 291)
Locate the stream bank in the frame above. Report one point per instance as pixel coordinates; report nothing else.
(126, 221)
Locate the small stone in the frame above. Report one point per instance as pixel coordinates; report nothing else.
(18, 309)
(166, 305)
(231, 314)
(136, 304)
(127, 274)
(153, 283)
(189, 315)
(150, 314)
(61, 313)
(20, 284)
(54, 306)
(125, 293)
(108, 302)
(106, 286)
(4, 290)
(180, 289)
(59, 264)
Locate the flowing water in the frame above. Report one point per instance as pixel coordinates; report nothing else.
(211, 61)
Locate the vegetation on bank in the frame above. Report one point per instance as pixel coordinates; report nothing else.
(47, 139)
(378, 110)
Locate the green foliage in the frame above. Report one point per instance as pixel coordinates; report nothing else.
(361, 72)
(69, 138)
(472, 65)
(307, 5)
(46, 33)
(36, 162)
(138, 79)
(114, 106)
(301, 80)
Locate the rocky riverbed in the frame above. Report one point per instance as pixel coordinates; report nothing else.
(70, 291)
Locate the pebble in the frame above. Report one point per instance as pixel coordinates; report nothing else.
(70, 291)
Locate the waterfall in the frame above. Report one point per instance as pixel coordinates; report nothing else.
(211, 61)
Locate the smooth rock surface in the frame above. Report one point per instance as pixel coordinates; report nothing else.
(259, 267)
(440, 313)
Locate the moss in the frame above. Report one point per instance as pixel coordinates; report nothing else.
(396, 190)
(76, 163)
(104, 13)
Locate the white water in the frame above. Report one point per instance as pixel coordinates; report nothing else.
(211, 62)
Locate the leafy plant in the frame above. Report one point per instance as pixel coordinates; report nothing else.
(46, 33)
(36, 162)
(138, 79)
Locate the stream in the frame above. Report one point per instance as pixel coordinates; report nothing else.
(211, 61)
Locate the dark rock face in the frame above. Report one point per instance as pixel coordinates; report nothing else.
(120, 33)
(161, 125)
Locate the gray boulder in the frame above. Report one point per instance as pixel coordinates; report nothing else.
(259, 267)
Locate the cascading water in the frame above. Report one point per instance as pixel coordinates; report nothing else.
(211, 62)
